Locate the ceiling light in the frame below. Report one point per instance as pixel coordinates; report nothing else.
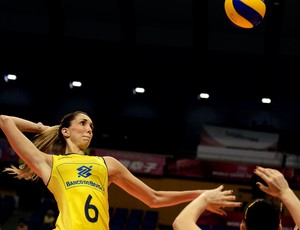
(75, 84)
(10, 77)
(138, 90)
(266, 100)
(203, 96)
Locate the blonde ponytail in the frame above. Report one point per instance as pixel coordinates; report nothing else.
(47, 141)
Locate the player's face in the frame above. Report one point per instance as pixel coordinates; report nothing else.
(81, 131)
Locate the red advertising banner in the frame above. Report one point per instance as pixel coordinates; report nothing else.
(186, 167)
(227, 171)
(134, 161)
(211, 170)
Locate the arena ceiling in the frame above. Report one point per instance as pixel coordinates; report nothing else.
(176, 49)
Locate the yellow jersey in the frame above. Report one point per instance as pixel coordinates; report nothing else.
(79, 184)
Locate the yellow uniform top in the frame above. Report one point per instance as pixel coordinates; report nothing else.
(79, 184)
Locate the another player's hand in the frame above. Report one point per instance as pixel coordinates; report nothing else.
(218, 199)
(276, 183)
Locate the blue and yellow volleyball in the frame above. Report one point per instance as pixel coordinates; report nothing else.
(245, 13)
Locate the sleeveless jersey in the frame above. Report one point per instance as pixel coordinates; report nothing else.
(79, 184)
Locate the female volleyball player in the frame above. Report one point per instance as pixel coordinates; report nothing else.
(80, 182)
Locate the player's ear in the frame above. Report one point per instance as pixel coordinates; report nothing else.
(65, 132)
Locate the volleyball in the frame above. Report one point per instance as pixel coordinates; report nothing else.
(245, 13)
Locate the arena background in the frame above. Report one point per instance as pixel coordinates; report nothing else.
(175, 49)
